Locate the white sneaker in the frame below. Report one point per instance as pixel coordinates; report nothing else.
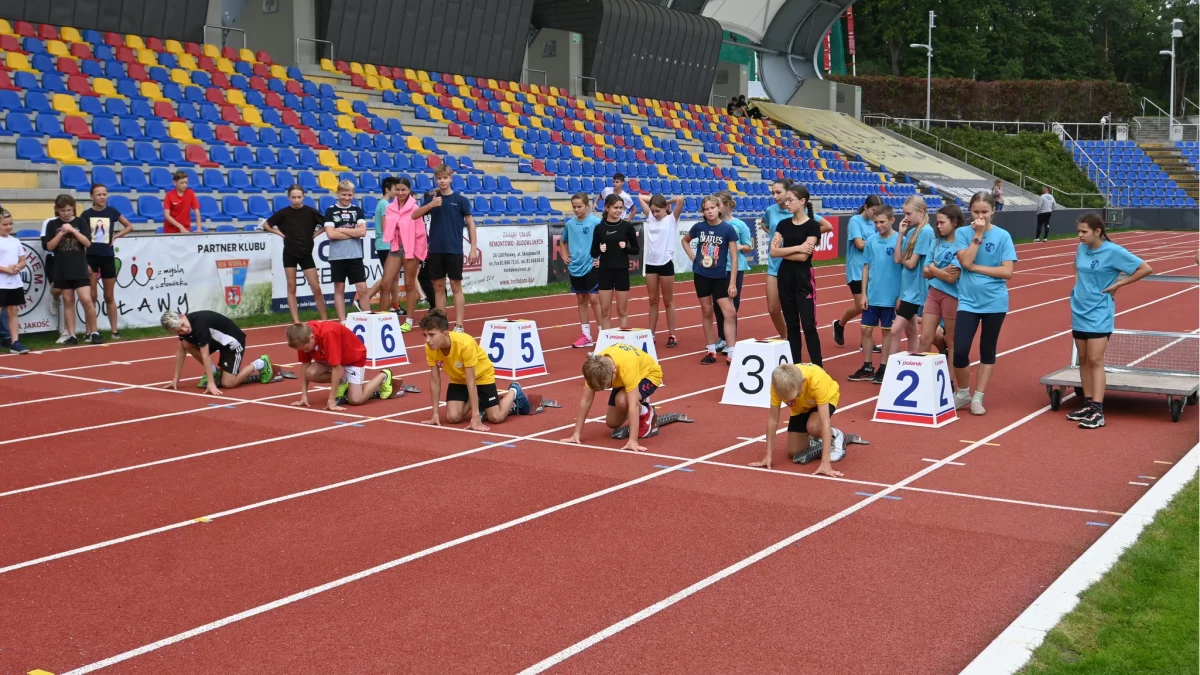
(54, 306)
(839, 446)
(62, 339)
(961, 399)
(977, 404)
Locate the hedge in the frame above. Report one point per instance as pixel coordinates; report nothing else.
(1009, 100)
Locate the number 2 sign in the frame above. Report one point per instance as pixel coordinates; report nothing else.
(916, 391)
(514, 348)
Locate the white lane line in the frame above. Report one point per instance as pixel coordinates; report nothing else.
(935, 461)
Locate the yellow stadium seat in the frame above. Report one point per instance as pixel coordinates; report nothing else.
(327, 179)
(18, 61)
(345, 122)
(61, 150)
(152, 91)
(576, 152)
(64, 103)
(279, 72)
(508, 133)
(173, 47)
(422, 76)
(327, 66)
(343, 106)
(427, 88)
(69, 34)
(212, 51)
(386, 84)
(369, 69)
(436, 113)
(456, 103)
(188, 62)
(534, 89)
(554, 91)
(134, 42)
(247, 56)
(492, 84)
(147, 57)
(235, 97)
(225, 66)
(413, 143)
(57, 48)
(410, 74)
(6, 28)
(459, 81)
(104, 87)
(662, 169)
(513, 120)
(251, 116)
(732, 187)
(180, 77)
(536, 123)
(328, 158)
(181, 132)
(356, 67)
(373, 82)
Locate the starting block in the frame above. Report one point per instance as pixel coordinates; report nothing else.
(380, 332)
(749, 380)
(641, 338)
(916, 391)
(514, 348)
(622, 433)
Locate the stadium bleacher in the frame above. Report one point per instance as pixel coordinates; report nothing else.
(1131, 176)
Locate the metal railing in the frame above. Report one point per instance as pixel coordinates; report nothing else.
(989, 125)
(1090, 131)
(317, 54)
(1073, 144)
(225, 31)
(1195, 105)
(1143, 103)
(581, 90)
(525, 76)
(712, 101)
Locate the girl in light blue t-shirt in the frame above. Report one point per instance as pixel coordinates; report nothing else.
(858, 231)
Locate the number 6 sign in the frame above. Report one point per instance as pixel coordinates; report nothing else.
(380, 332)
(749, 380)
(916, 391)
(514, 348)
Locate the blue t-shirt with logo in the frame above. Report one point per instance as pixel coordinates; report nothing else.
(1093, 310)
(883, 280)
(859, 228)
(744, 239)
(977, 292)
(913, 284)
(578, 235)
(712, 248)
(773, 216)
(446, 223)
(942, 256)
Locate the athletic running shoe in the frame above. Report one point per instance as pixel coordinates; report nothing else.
(583, 342)
(400, 311)
(458, 328)
(839, 333)
(1081, 414)
(522, 401)
(116, 335)
(863, 374)
(406, 327)
(267, 373)
(728, 359)
(54, 306)
(95, 339)
(721, 345)
(977, 404)
(962, 399)
(877, 350)
(62, 339)
(709, 359)
(839, 446)
(385, 388)
(878, 379)
(18, 348)
(648, 423)
(1093, 421)
(357, 308)
(672, 342)
(71, 341)
(342, 390)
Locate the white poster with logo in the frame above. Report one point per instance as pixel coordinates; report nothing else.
(510, 257)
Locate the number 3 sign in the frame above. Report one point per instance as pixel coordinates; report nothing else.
(380, 332)
(916, 391)
(749, 380)
(514, 348)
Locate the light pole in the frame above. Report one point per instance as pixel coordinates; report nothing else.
(928, 47)
(1176, 33)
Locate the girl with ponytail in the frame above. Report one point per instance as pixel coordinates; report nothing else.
(916, 242)
(861, 227)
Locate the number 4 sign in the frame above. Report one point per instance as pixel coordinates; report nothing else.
(514, 348)
(380, 332)
(749, 380)
(916, 391)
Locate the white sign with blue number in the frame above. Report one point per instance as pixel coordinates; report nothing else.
(917, 391)
(641, 338)
(749, 380)
(514, 348)
(380, 332)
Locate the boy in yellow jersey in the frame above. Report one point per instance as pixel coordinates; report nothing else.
(806, 389)
(472, 387)
(633, 375)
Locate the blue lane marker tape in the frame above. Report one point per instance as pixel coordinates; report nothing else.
(503, 445)
(219, 405)
(1148, 477)
(353, 424)
(664, 466)
(872, 494)
(12, 377)
(1095, 524)
(109, 391)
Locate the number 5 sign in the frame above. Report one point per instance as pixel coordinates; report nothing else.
(749, 380)
(514, 348)
(380, 332)
(916, 391)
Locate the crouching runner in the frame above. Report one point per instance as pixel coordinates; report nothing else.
(329, 352)
(812, 396)
(216, 342)
(633, 375)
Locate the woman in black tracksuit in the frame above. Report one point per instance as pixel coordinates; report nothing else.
(795, 241)
(612, 243)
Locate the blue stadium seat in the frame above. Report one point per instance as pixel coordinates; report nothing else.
(130, 129)
(480, 207)
(147, 154)
(239, 181)
(244, 156)
(134, 179)
(161, 179)
(90, 151)
(108, 177)
(118, 152)
(47, 124)
(30, 149)
(10, 101)
(287, 159)
(221, 155)
(73, 178)
(209, 208)
(308, 181)
(172, 154)
(368, 182)
(234, 208)
(259, 207)
(216, 181)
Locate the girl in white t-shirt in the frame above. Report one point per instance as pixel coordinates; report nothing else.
(12, 289)
(660, 231)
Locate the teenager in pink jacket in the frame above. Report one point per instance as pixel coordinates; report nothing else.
(404, 230)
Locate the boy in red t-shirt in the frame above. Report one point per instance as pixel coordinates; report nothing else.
(178, 206)
(334, 354)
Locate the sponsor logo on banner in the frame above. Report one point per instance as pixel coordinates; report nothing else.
(34, 278)
(233, 277)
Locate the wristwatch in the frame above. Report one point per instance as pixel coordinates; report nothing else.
(977, 240)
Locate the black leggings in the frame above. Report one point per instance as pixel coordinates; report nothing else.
(966, 323)
(1043, 222)
(800, 317)
(737, 304)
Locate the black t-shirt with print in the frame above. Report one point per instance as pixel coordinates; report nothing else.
(70, 258)
(102, 225)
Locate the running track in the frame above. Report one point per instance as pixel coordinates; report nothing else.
(155, 531)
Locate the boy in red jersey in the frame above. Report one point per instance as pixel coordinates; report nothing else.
(332, 353)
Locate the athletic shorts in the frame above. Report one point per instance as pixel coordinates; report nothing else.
(667, 270)
(303, 261)
(798, 424)
(349, 270)
(878, 316)
(1084, 335)
(11, 297)
(488, 396)
(70, 284)
(855, 287)
(940, 303)
(382, 254)
(908, 310)
(646, 389)
(105, 266)
(443, 265)
(230, 360)
(586, 284)
(614, 279)
(50, 266)
(707, 287)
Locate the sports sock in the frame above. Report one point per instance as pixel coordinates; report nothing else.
(645, 408)
(965, 391)
(712, 348)
(587, 330)
(1098, 406)
(259, 364)
(978, 396)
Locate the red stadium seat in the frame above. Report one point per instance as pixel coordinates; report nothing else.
(207, 64)
(258, 84)
(155, 45)
(193, 49)
(540, 167)
(226, 135)
(9, 43)
(165, 110)
(291, 119)
(113, 40)
(6, 82)
(262, 70)
(47, 32)
(78, 127)
(232, 115)
(454, 130)
(386, 71)
(294, 87)
(364, 124)
(67, 66)
(230, 53)
(221, 80)
(137, 72)
(264, 57)
(357, 80)
(214, 95)
(79, 84)
(24, 29)
(433, 161)
(80, 50)
(126, 55)
(196, 154)
(273, 100)
(308, 138)
(343, 67)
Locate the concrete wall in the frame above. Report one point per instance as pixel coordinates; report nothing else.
(732, 80)
(275, 33)
(560, 72)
